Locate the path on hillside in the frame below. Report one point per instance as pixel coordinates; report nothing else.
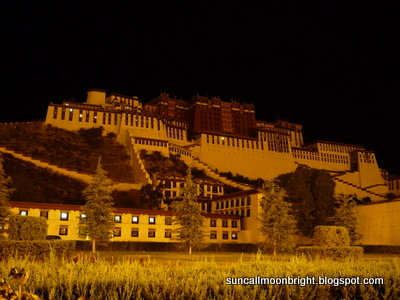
(73, 174)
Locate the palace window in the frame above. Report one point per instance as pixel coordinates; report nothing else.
(248, 200)
(135, 232)
(71, 114)
(63, 230)
(44, 214)
(168, 234)
(152, 220)
(152, 233)
(234, 235)
(118, 218)
(168, 221)
(224, 223)
(64, 216)
(117, 231)
(135, 220)
(213, 235)
(87, 116)
(213, 223)
(23, 212)
(234, 224)
(225, 235)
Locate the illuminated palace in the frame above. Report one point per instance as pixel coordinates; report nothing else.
(215, 136)
(219, 136)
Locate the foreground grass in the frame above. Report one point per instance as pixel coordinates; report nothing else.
(217, 257)
(201, 278)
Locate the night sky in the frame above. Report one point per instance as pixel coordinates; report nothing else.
(333, 69)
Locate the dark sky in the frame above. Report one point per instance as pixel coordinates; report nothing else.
(333, 69)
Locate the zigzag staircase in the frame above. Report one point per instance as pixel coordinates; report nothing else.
(188, 158)
(363, 192)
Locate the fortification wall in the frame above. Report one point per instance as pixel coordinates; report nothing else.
(248, 158)
(379, 223)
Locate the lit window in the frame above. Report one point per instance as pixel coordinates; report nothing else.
(118, 219)
(83, 216)
(135, 220)
(64, 216)
(117, 231)
(152, 220)
(23, 212)
(63, 231)
(234, 236)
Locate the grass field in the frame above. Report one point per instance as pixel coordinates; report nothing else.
(203, 275)
(217, 257)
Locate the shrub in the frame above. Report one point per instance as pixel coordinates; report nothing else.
(332, 243)
(37, 249)
(331, 236)
(27, 228)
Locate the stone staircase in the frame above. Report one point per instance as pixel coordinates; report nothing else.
(188, 158)
(361, 192)
(350, 187)
(209, 172)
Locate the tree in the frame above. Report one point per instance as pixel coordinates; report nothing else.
(5, 193)
(312, 194)
(346, 215)
(276, 221)
(188, 215)
(98, 222)
(151, 197)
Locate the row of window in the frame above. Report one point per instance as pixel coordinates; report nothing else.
(233, 203)
(242, 212)
(225, 223)
(64, 216)
(151, 233)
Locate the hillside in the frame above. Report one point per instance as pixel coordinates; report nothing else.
(71, 150)
(78, 151)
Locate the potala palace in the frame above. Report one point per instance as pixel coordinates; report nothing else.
(216, 136)
(220, 136)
